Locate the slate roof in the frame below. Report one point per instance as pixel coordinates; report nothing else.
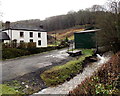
(87, 31)
(4, 36)
(25, 29)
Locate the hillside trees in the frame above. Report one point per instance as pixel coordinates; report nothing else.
(109, 22)
(59, 22)
(69, 20)
(32, 23)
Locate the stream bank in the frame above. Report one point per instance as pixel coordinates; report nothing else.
(88, 71)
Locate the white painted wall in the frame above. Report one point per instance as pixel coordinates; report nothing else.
(6, 41)
(26, 38)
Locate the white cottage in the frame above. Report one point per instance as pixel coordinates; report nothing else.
(39, 36)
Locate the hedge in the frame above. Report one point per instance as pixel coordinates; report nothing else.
(8, 53)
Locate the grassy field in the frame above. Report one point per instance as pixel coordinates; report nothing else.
(60, 74)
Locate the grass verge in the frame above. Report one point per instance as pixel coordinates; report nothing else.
(16, 88)
(6, 90)
(59, 74)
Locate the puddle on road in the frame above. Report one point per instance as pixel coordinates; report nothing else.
(61, 54)
(63, 51)
(44, 64)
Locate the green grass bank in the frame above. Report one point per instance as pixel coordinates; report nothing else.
(59, 74)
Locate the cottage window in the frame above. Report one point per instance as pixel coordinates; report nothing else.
(39, 42)
(21, 34)
(31, 34)
(31, 40)
(39, 35)
(21, 41)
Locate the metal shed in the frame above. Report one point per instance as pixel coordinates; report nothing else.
(85, 39)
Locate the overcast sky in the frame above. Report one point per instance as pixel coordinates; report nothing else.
(15, 10)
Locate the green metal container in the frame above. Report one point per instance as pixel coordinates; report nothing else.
(85, 39)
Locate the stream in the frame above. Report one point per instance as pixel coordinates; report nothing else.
(88, 71)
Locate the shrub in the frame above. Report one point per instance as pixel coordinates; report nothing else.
(31, 45)
(14, 43)
(8, 53)
(22, 45)
(5, 45)
(104, 83)
(38, 50)
(63, 44)
(23, 49)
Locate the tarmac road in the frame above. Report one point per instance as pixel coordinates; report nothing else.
(20, 66)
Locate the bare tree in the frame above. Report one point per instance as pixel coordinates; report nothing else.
(109, 36)
(97, 8)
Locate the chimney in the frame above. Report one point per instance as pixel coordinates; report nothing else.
(7, 24)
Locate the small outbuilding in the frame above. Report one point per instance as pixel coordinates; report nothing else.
(85, 39)
(4, 36)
